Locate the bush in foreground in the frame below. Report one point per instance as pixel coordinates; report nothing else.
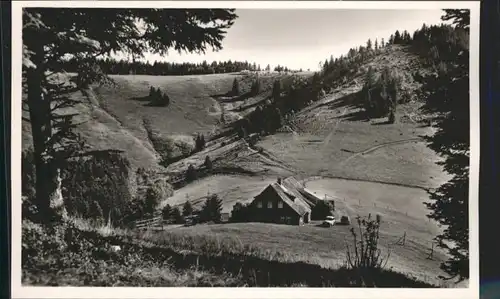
(365, 256)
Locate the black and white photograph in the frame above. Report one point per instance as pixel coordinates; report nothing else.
(278, 145)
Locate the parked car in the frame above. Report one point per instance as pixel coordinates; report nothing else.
(345, 220)
(329, 221)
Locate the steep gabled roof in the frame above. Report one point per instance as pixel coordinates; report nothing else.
(289, 199)
(295, 187)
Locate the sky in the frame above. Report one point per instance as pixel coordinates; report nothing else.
(302, 38)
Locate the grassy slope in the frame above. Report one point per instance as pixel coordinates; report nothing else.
(347, 145)
(114, 117)
(311, 244)
(331, 139)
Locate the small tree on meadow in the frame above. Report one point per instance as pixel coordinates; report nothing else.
(208, 163)
(236, 88)
(187, 209)
(212, 209)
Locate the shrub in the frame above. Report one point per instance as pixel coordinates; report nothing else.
(322, 209)
(97, 186)
(365, 254)
(158, 98)
(240, 213)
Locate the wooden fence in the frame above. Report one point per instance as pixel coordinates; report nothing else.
(154, 222)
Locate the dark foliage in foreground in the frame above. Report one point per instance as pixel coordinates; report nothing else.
(448, 90)
(67, 255)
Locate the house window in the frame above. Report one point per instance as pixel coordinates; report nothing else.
(259, 204)
(280, 205)
(269, 204)
(282, 219)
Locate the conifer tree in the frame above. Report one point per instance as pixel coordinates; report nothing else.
(276, 90)
(50, 35)
(236, 88)
(187, 209)
(212, 209)
(208, 163)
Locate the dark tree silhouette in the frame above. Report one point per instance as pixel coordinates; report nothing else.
(255, 89)
(212, 209)
(236, 88)
(177, 216)
(152, 199)
(208, 163)
(322, 209)
(191, 173)
(166, 213)
(199, 142)
(187, 209)
(460, 17)
(50, 35)
(449, 96)
(240, 213)
(277, 90)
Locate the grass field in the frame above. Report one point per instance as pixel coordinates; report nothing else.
(311, 244)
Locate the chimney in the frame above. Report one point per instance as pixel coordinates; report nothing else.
(279, 181)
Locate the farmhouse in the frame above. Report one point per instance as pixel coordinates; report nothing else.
(281, 202)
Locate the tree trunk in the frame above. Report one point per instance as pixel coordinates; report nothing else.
(41, 131)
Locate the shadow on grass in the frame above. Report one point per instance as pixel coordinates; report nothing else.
(150, 104)
(141, 99)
